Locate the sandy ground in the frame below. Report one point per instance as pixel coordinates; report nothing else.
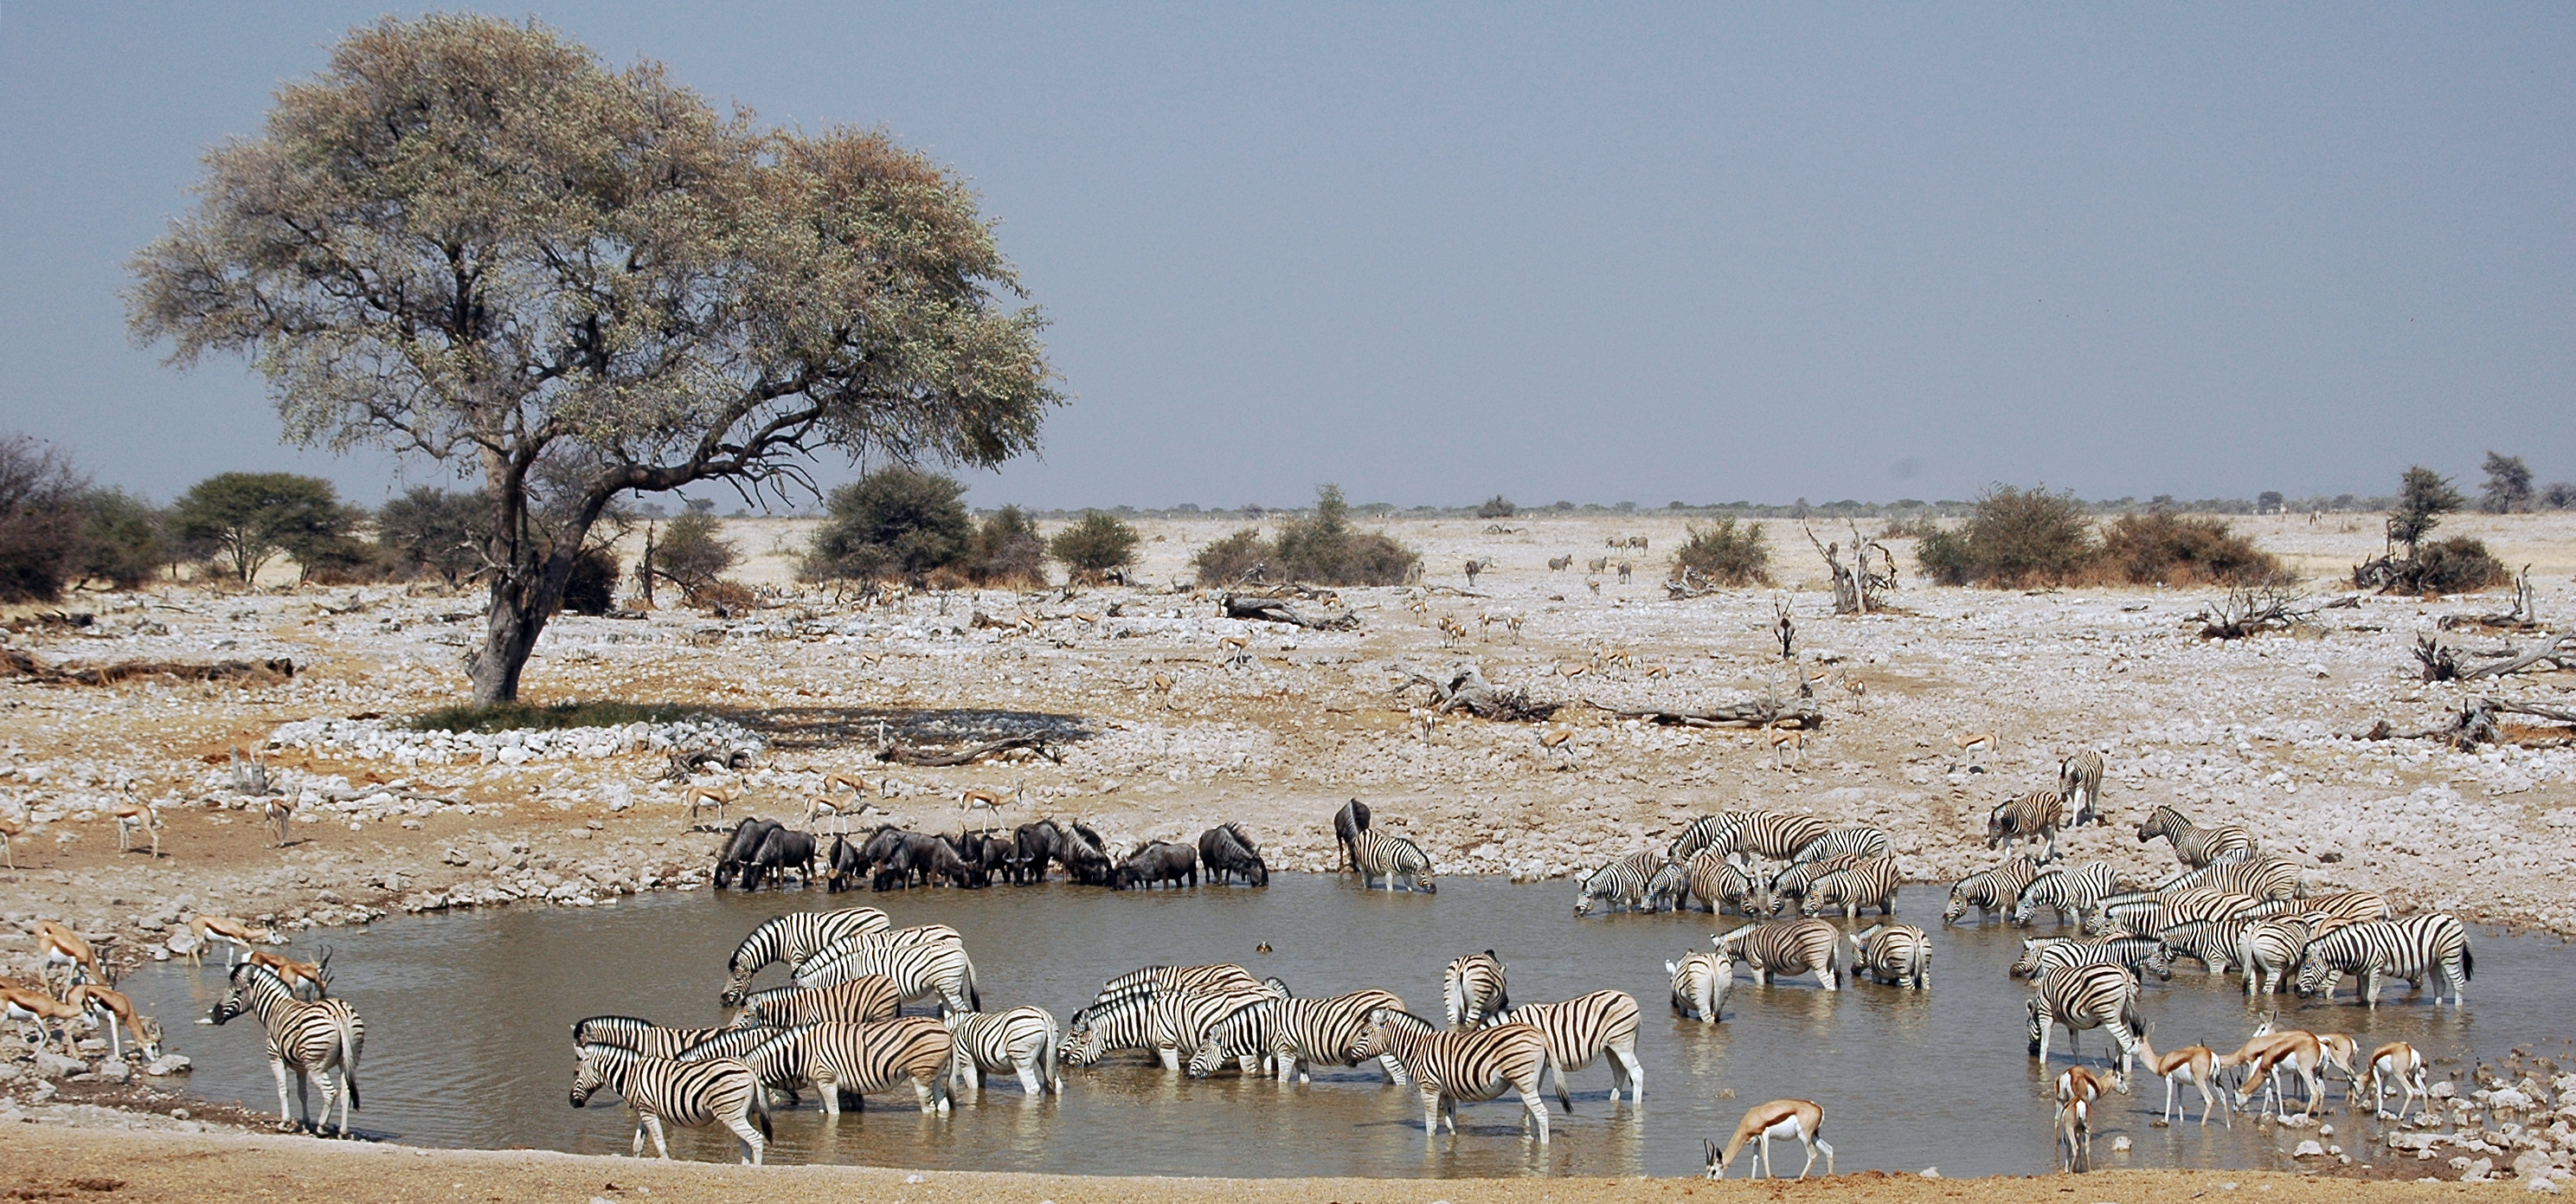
(2264, 731)
(53, 1162)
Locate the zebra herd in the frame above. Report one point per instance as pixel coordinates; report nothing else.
(839, 1028)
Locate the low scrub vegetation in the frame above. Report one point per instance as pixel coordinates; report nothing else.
(2014, 538)
(691, 552)
(1724, 553)
(1099, 545)
(1007, 550)
(527, 716)
(2169, 549)
(1324, 549)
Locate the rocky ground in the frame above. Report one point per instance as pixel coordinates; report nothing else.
(2268, 731)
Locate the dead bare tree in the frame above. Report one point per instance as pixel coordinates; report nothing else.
(2441, 663)
(2249, 609)
(2476, 723)
(2524, 616)
(1466, 689)
(1857, 586)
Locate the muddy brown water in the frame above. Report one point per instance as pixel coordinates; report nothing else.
(468, 1041)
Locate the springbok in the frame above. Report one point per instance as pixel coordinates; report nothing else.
(111, 1008)
(701, 797)
(1968, 743)
(1161, 687)
(58, 945)
(1558, 740)
(231, 932)
(1451, 630)
(1234, 643)
(1801, 1119)
(9, 833)
(1513, 622)
(276, 809)
(1792, 739)
(2194, 1064)
(1572, 669)
(295, 974)
(2296, 1049)
(20, 1003)
(2074, 1140)
(133, 816)
(2396, 1062)
(977, 798)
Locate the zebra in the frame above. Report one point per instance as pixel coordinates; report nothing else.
(2082, 997)
(1714, 882)
(792, 938)
(1700, 983)
(2268, 879)
(1844, 842)
(1781, 947)
(2414, 948)
(1622, 883)
(1215, 977)
(1775, 835)
(1990, 891)
(857, 1001)
(917, 971)
(2216, 943)
(2073, 893)
(2079, 780)
(1392, 858)
(1472, 988)
(2039, 955)
(1166, 1022)
(1448, 1067)
(309, 1037)
(638, 1034)
(1581, 1029)
(1794, 881)
(2035, 816)
(2269, 949)
(689, 1094)
(2196, 846)
(2331, 910)
(1348, 823)
(1298, 1034)
(861, 1058)
(1899, 955)
(1022, 1040)
(2200, 903)
(1870, 883)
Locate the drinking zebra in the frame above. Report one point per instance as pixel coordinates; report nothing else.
(917, 971)
(1869, 883)
(1700, 982)
(1858, 842)
(2079, 779)
(2074, 893)
(1391, 859)
(857, 1001)
(1626, 882)
(834, 1057)
(1899, 955)
(689, 1094)
(1990, 891)
(1715, 884)
(1215, 977)
(2216, 944)
(2196, 846)
(641, 1035)
(2040, 955)
(2082, 997)
(1797, 878)
(1784, 947)
(1170, 1023)
(1446, 1068)
(1021, 1041)
(2269, 950)
(2414, 948)
(311, 1038)
(1472, 988)
(792, 938)
(1348, 823)
(2035, 816)
(1583, 1028)
(1298, 1034)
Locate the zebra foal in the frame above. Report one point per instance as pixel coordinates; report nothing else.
(689, 1094)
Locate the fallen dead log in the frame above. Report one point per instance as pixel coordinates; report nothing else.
(901, 754)
(1281, 610)
(1467, 690)
(1752, 712)
(2476, 723)
(14, 663)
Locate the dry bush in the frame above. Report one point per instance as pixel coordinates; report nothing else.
(722, 597)
(1242, 556)
(1007, 552)
(893, 524)
(40, 527)
(2015, 538)
(2456, 566)
(1497, 506)
(1098, 545)
(2169, 549)
(1327, 550)
(592, 588)
(1723, 553)
(692, 552)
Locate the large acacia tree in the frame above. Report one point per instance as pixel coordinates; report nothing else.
(468, 239)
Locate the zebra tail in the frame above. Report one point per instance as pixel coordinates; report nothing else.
(349, 1062)
(974, 994)
(2468, 963)
(760, 1108)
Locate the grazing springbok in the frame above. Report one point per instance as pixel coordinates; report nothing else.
(295, 974)
(2263, 1056)
(111, 1008)
(231, 932)
(58, 945)
(2398, 1063)
(702, 797)
(1787, 1119)
(37, 1007)
(277, 809)
(133, 817)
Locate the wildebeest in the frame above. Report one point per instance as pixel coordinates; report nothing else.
(1037, 844)
(1085, 859)
(1158, 863)
(739, 851)
(782, 850)
(1348, 823)
(842, 866)
(1228, 852)
(896, 859)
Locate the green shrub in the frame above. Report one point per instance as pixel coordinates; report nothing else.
(246, 518)
(1327, 550)
(1497, 506)
(2013, 538)
(893, 524)
(1007, 550)
(122, 539)
(2423, 497)
(1235, 559)
(1723, 553)
(2456, 566)
(436, 531)
(1096, 546)
(344, 560)
(691, 552)
(592, 587)
(2168, 549)
(41, 537)
(523, 716)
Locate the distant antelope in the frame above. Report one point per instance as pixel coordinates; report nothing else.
(277, 809)
(1598, 564)
(1625, 568)
(1559, 741)
(1160, 687)
(1485, 625)
(1614, 543)
(1798, 1119)
(58, 945)
(979, 799)
(1558, 564)
(131, 817)
(9, 833)
(1474, 567)
(230, 931)
(1513, 622)
(820, 805)
(1451, 630)
(1239, 644)
(1791, 739)
(1572, 669)
(111, 1008)
(858, 786)
(1968, 743)
(701, 797)
(295, 974)
(1659, 671)
(1593, 584)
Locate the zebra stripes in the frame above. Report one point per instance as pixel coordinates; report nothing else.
(2269, 950)
(2435, 946)
(860, 1058)
(2216, 944)
(917, 971)
(638, 1034)
(1794, 881)
(861, 999)
(1021, 1041)
(2268, 879)
(2040, 955)
(310, 1038)
(1583, 1028)
(1298, 1034)
(1715, 884)
(2332, 910)
(1862, 842)
(1899, 955)
(1472, 988)
(1869, 883)
(689, 1094)
(1700, 982)
(1449, 1067)
(2035, 816)
(2079, 781)
(2196, 846)
(1783, 947)
(1628, 882)
(2075, 893)
(1225, 976)
(2082, 997)
(1989, 891)
(1391, 859)
(792, 938)
(1171, 1023)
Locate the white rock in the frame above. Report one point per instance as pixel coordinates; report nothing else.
(2308, 1149)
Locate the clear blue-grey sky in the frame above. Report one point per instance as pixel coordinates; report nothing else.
(1596, 252)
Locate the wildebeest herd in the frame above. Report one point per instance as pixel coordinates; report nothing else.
(765, 852)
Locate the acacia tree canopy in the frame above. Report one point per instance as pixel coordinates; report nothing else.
(468, 238)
